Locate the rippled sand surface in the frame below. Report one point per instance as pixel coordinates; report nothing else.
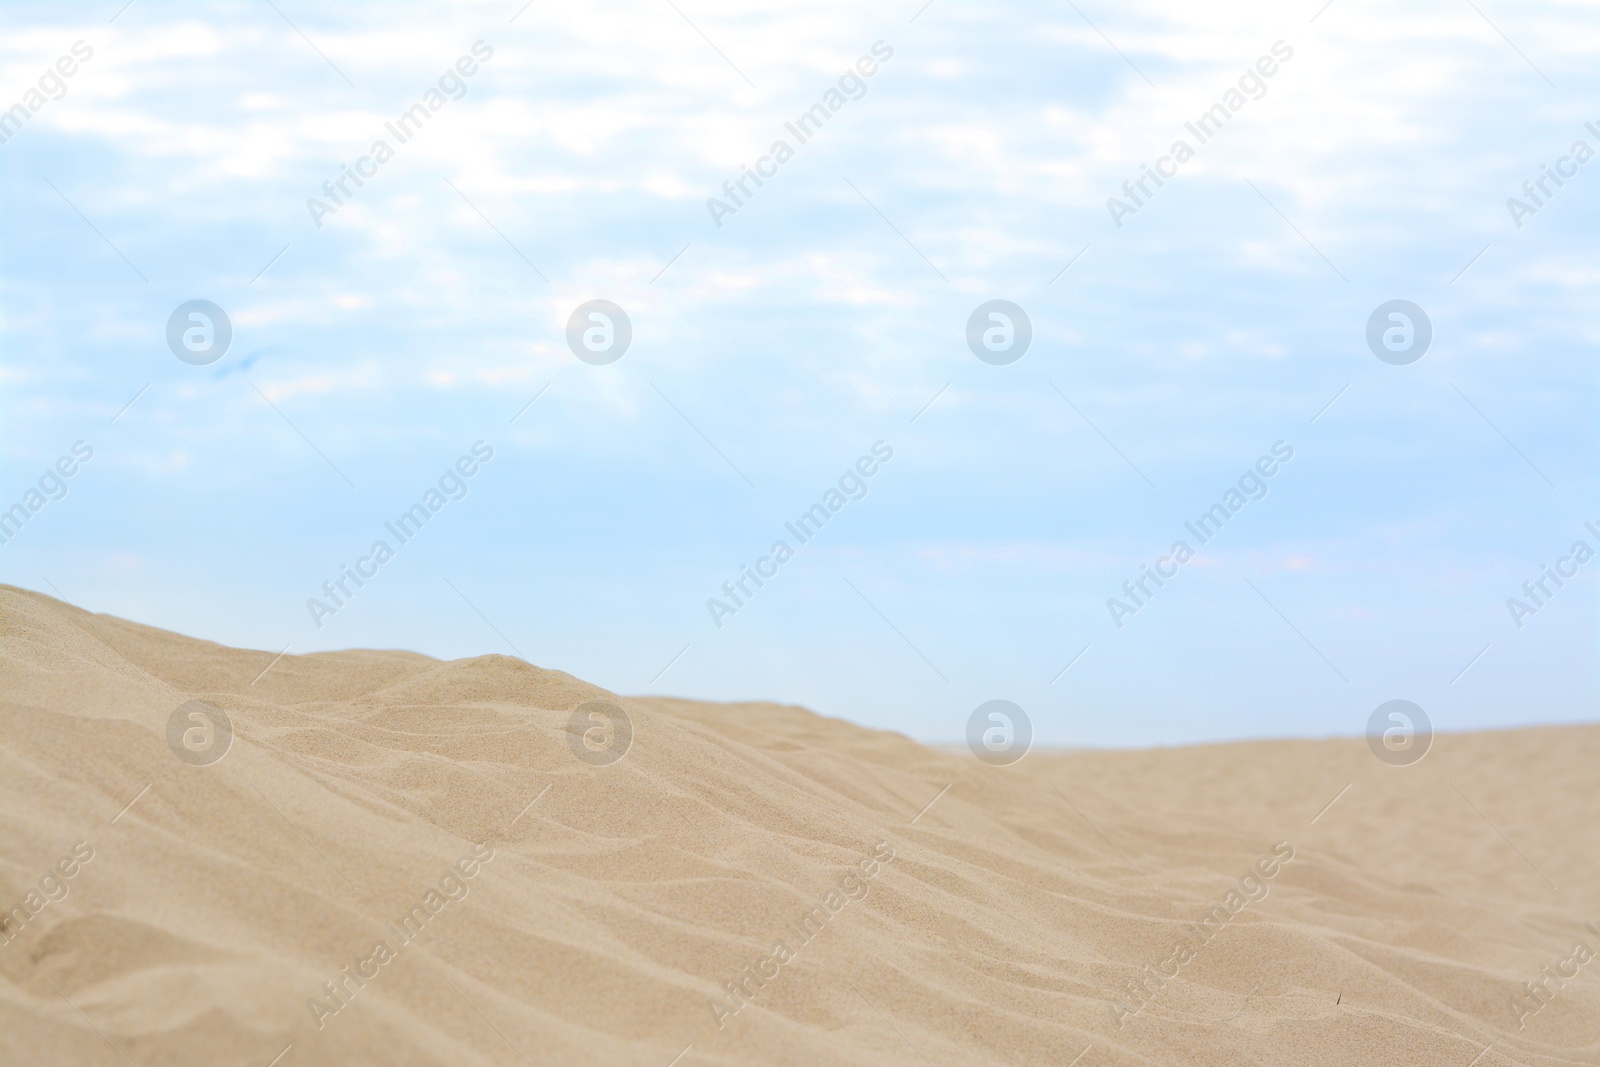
(405, 861)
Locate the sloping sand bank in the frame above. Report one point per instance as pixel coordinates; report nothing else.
(361, 880)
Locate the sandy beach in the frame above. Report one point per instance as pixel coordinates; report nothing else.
(380, 858)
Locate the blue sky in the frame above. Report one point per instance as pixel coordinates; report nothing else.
(772, 352)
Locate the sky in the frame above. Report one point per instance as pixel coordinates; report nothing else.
(1187, 337)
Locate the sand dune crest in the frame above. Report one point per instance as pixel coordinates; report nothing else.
(403, 861)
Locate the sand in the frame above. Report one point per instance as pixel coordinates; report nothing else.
(591, 912)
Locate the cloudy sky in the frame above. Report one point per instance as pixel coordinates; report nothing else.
(1177, 338)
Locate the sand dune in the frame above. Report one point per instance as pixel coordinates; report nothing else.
(748, 883)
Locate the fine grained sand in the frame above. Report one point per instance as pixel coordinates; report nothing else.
(1002, 925)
